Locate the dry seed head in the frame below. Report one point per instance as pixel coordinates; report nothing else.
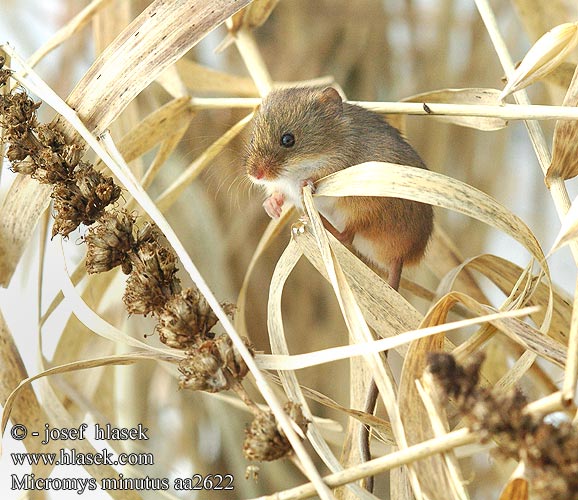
(99, 190)
(187, 319)
(202, 371)
(69, 206)
(550, 452)
(109, 242)
(4, 73)
(153, 280)
(213, 365)
(265, 441)
(18, 114)
(82, 200)
(147, 232)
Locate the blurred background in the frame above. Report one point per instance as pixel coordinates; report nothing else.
(375, 50)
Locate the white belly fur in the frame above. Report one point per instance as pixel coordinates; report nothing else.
(366, 248)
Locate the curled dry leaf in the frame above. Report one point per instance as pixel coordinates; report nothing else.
(544, 56)
(433, 472)
(504, 274)
(517, 489)
(464, 96)
(254, 15)
(388, 179)
(561, 76)
(565, 147)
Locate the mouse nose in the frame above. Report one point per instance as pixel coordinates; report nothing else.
(261, 169)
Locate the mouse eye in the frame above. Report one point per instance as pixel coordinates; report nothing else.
(287, 140)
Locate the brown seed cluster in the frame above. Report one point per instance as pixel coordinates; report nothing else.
(550, 451)
(80, 192)
(187, 319)
(265, 441)
(82, 195)
(214, 365)
(153, 280)
(110, 242)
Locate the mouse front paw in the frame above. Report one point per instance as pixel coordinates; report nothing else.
(273, 205)
(310, 183)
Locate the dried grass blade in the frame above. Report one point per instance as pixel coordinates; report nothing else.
(516, 489)
(443, 256)
(119, 359)
(476, 96)
(171, 194)
(27, 409)
(387, 179)
(359, 330)
(565, 146)
(571, 371)
(274, 227)
(440, 428)
(165, 150)
(73, 26)
(505, 274)
(514, 374)
(315, 358)
(155, 128)
(432, 472)
(568, 230)
(386, 311)
(285, 265)
(253, 15)
(533, 340)
(253, 59)
(24, 203)
(520, 332)
(157, 38)
(200, 79)
(545, 55)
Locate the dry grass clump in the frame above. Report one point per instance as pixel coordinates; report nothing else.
(142, 164)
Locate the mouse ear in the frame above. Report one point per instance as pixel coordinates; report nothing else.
(330, 97)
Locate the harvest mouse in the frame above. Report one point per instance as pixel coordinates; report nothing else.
(303, 134)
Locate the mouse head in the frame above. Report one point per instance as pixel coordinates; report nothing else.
(295, 132)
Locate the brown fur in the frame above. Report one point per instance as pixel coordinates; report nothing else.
(344, 135)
